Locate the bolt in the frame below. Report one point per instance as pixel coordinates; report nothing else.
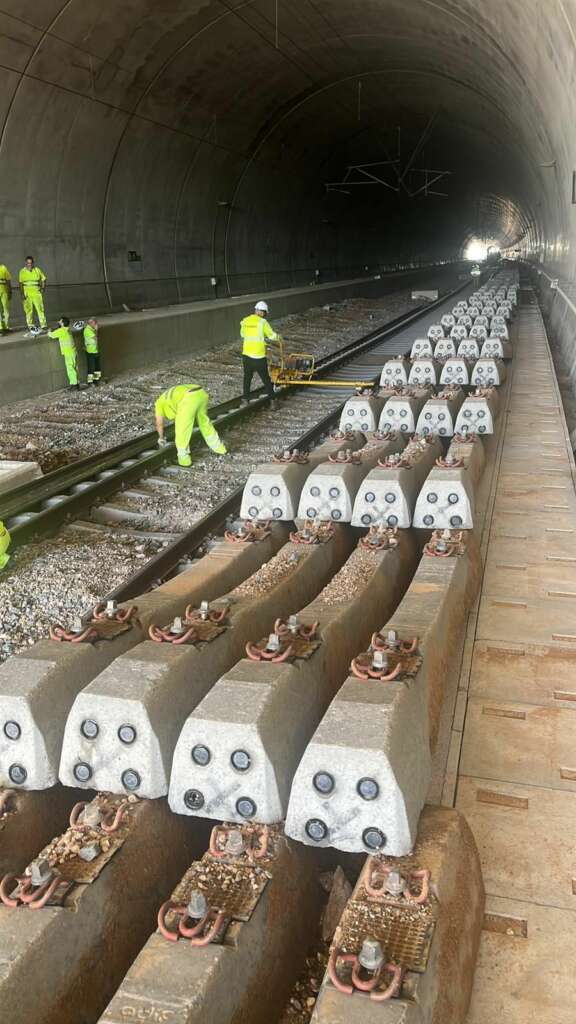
(92, 815)
(273, 642)
(379, 660)
(40, 872)
(204, 610)
(394, 884)
(441, 547)
(449, 459)
(78, 626)
(392, 639)
(90, 851)
(293, 624)
(176, 626)
(371, 956)
(111, 608)
(197, 907)
(234, 843)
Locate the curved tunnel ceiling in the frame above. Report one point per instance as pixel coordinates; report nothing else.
(200, 135)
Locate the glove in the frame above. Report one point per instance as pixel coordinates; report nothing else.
(162, 442)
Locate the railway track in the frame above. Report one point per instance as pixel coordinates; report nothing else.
(63, 496)
(248, 722)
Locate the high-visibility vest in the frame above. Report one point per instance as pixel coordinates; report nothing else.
(254, 330)
(31, 279)
(64, 336)
(167, 403)
(5, 277)
(90, 339)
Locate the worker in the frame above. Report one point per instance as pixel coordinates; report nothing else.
(64, 336)
(185, 403)
(32, 284)
(92, 351)
(256, 333)
(5, 297)
(4, 545)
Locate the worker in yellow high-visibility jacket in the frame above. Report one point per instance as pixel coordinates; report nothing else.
(256, 333)
(4, 545)
(64, 336)
(184, 404)
(5, 296)
(90, 333)
(32, 284)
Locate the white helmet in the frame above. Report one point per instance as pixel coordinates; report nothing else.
(262, 306)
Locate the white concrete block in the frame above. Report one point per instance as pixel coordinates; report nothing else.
(395, 371)
(424, 371)
(367, 767)
(421, 347)
(496, 348)
(488, 372)
(447, 499)
(459, 332)
(361, 413)
(401, 413)
(439, 413)
(455, 371)
(273, 491)
(435, 332)
(478, 413)
(469, 349)
(445, 349)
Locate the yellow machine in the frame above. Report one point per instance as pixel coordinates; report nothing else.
(289, 369)
(297, 369)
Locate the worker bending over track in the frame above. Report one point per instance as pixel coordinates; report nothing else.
(32, 284)
(256, 333)
(63, 335)
(5, 296)
(94, 375)
(4, 545)
(185, 403)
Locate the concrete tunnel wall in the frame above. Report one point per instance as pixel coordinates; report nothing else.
(200, 134)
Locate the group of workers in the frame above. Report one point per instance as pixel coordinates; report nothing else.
(187, 403)
(32, 282)
(183, 404)
(65, 338)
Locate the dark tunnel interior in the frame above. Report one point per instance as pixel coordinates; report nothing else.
(150, 147)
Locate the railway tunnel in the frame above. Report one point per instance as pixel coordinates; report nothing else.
(286, 736)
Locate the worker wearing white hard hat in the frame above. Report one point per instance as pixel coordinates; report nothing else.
(256, 334)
